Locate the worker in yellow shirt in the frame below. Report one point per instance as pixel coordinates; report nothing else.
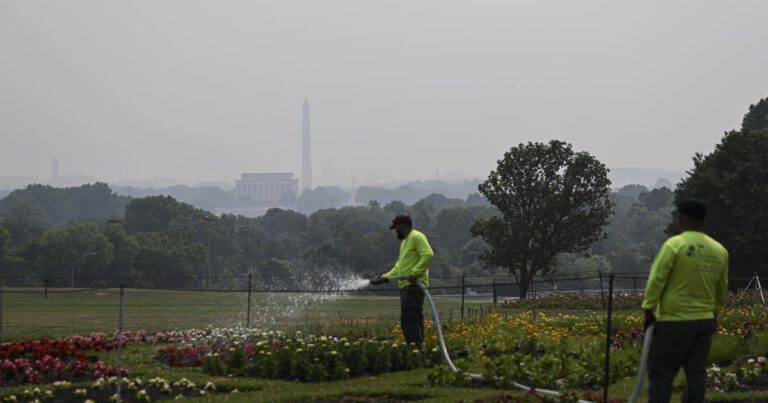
(686, 288)
(413, 261)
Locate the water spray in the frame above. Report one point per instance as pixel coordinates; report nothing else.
(478, 377)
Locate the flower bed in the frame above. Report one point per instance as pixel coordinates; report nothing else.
(38, 361)
(104, 390)
(621, 302)
(310, 359)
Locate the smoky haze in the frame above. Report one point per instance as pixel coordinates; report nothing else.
(206, 90)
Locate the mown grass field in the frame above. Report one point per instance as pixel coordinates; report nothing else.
(28, 314)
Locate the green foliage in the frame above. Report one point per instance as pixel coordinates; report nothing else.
(657, 199)
(322, 198)
(551, 200)
(5, 247)
(78, 250)
(442, 375)
(237, 361)
(213, 364)
(757, 117)
(725, 348)
(51, 206)
(125, 249)
(161, 254)
(632, 191)
(155, 213)
(731, 182)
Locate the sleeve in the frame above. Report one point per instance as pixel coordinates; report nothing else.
(657, 280)
(421, 245)
(391, 272)
(722, 288)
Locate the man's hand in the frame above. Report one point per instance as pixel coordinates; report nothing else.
(412, 279)
(649, 318)
(379, 280)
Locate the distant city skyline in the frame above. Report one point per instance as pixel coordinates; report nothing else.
(620, 176)
(399, 90)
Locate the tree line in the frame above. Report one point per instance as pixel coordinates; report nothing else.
(546, 210)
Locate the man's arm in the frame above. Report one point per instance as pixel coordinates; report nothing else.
(425, 256)
(657, 280)
(391, 272)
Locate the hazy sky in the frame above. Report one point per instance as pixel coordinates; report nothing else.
(205, 90)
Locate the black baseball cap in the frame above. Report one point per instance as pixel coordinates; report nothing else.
(693, 209)
(401, 219)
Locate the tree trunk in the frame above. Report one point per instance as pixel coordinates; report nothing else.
(524, 284)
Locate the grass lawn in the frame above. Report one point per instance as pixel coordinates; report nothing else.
(27, 314)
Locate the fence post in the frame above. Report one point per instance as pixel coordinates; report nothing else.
(120, 344)
(634, 284)
(462, 297)
(602, 294)
(607, 375)
(494, 292)
(45, 285)
(2, 292)
(248, 315)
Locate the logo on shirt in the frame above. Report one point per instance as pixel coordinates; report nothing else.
(692, 249)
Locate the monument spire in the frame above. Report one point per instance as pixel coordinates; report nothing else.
(306, 153)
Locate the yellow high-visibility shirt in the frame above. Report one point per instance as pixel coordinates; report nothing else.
(414, 259)
(688, 279)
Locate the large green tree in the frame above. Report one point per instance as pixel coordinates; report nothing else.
(733, 182)
(551, 200)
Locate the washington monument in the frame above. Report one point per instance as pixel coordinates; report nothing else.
(306, 153)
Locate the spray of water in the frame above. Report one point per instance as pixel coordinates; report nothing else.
(321, 288)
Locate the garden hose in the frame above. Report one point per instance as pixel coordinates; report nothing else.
(444, 350)
(643, 363)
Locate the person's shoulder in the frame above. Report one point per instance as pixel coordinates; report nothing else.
(717, 245)
(417, 235)
(675, 242)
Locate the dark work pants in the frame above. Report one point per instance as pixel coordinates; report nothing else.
(411, 314)
(679, 344)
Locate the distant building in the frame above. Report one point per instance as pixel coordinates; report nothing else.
(265, 187)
